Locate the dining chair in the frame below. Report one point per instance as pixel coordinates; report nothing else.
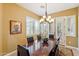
(51, 36)
(45, 42)
(55, 49)
(21, 51)
(30, 41)
(39, 37)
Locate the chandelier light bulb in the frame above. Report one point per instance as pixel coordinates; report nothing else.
(49, 17)
(52, 20)
(44, 17)
(41, 20)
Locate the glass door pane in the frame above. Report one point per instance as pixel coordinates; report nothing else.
(44, 30)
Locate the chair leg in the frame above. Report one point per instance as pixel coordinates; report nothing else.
(57, 52)
(18, 54)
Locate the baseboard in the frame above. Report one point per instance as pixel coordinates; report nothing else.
(3, 53)
(72, 47)
(11, 53)
(0, 54)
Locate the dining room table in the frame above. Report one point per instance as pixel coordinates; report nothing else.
(37, 49)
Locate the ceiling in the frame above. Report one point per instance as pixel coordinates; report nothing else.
(51, 7)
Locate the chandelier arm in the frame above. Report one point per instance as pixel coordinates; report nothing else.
(46, 12)
(46, 9)
(46, 18)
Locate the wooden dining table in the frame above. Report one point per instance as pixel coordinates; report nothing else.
(37, 49)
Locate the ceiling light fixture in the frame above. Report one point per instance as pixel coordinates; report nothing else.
(46, 18)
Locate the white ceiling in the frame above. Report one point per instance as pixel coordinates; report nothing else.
(51, 7)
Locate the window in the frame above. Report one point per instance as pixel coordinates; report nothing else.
(44, 30)
(29, 26)
(37, 27)
(32, 26)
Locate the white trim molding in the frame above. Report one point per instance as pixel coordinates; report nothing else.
(73, 47)
(13, 53)
(78, 31)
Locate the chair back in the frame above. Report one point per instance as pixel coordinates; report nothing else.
(45, 42)
(38, 37)
(54, 51)
(21, 51)
(56, 48)
(51, 36)
(30, 41)
(58, 40)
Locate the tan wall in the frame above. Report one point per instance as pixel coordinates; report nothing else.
(78, 26)
(14, 12)
(0, 29)
(70, 41)
(78, 10)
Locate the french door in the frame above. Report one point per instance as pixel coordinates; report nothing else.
(60, 29)
(78, 31)
(44, 30)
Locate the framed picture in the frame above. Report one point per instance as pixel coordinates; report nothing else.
(15, 27)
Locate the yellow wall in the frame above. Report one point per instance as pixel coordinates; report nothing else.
(78, 10)
(14, 12)
(0, 29)
(70, 41)
(78, 26)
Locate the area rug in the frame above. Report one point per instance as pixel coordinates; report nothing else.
(64, 51)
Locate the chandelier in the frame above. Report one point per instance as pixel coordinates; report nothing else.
(46, 18)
